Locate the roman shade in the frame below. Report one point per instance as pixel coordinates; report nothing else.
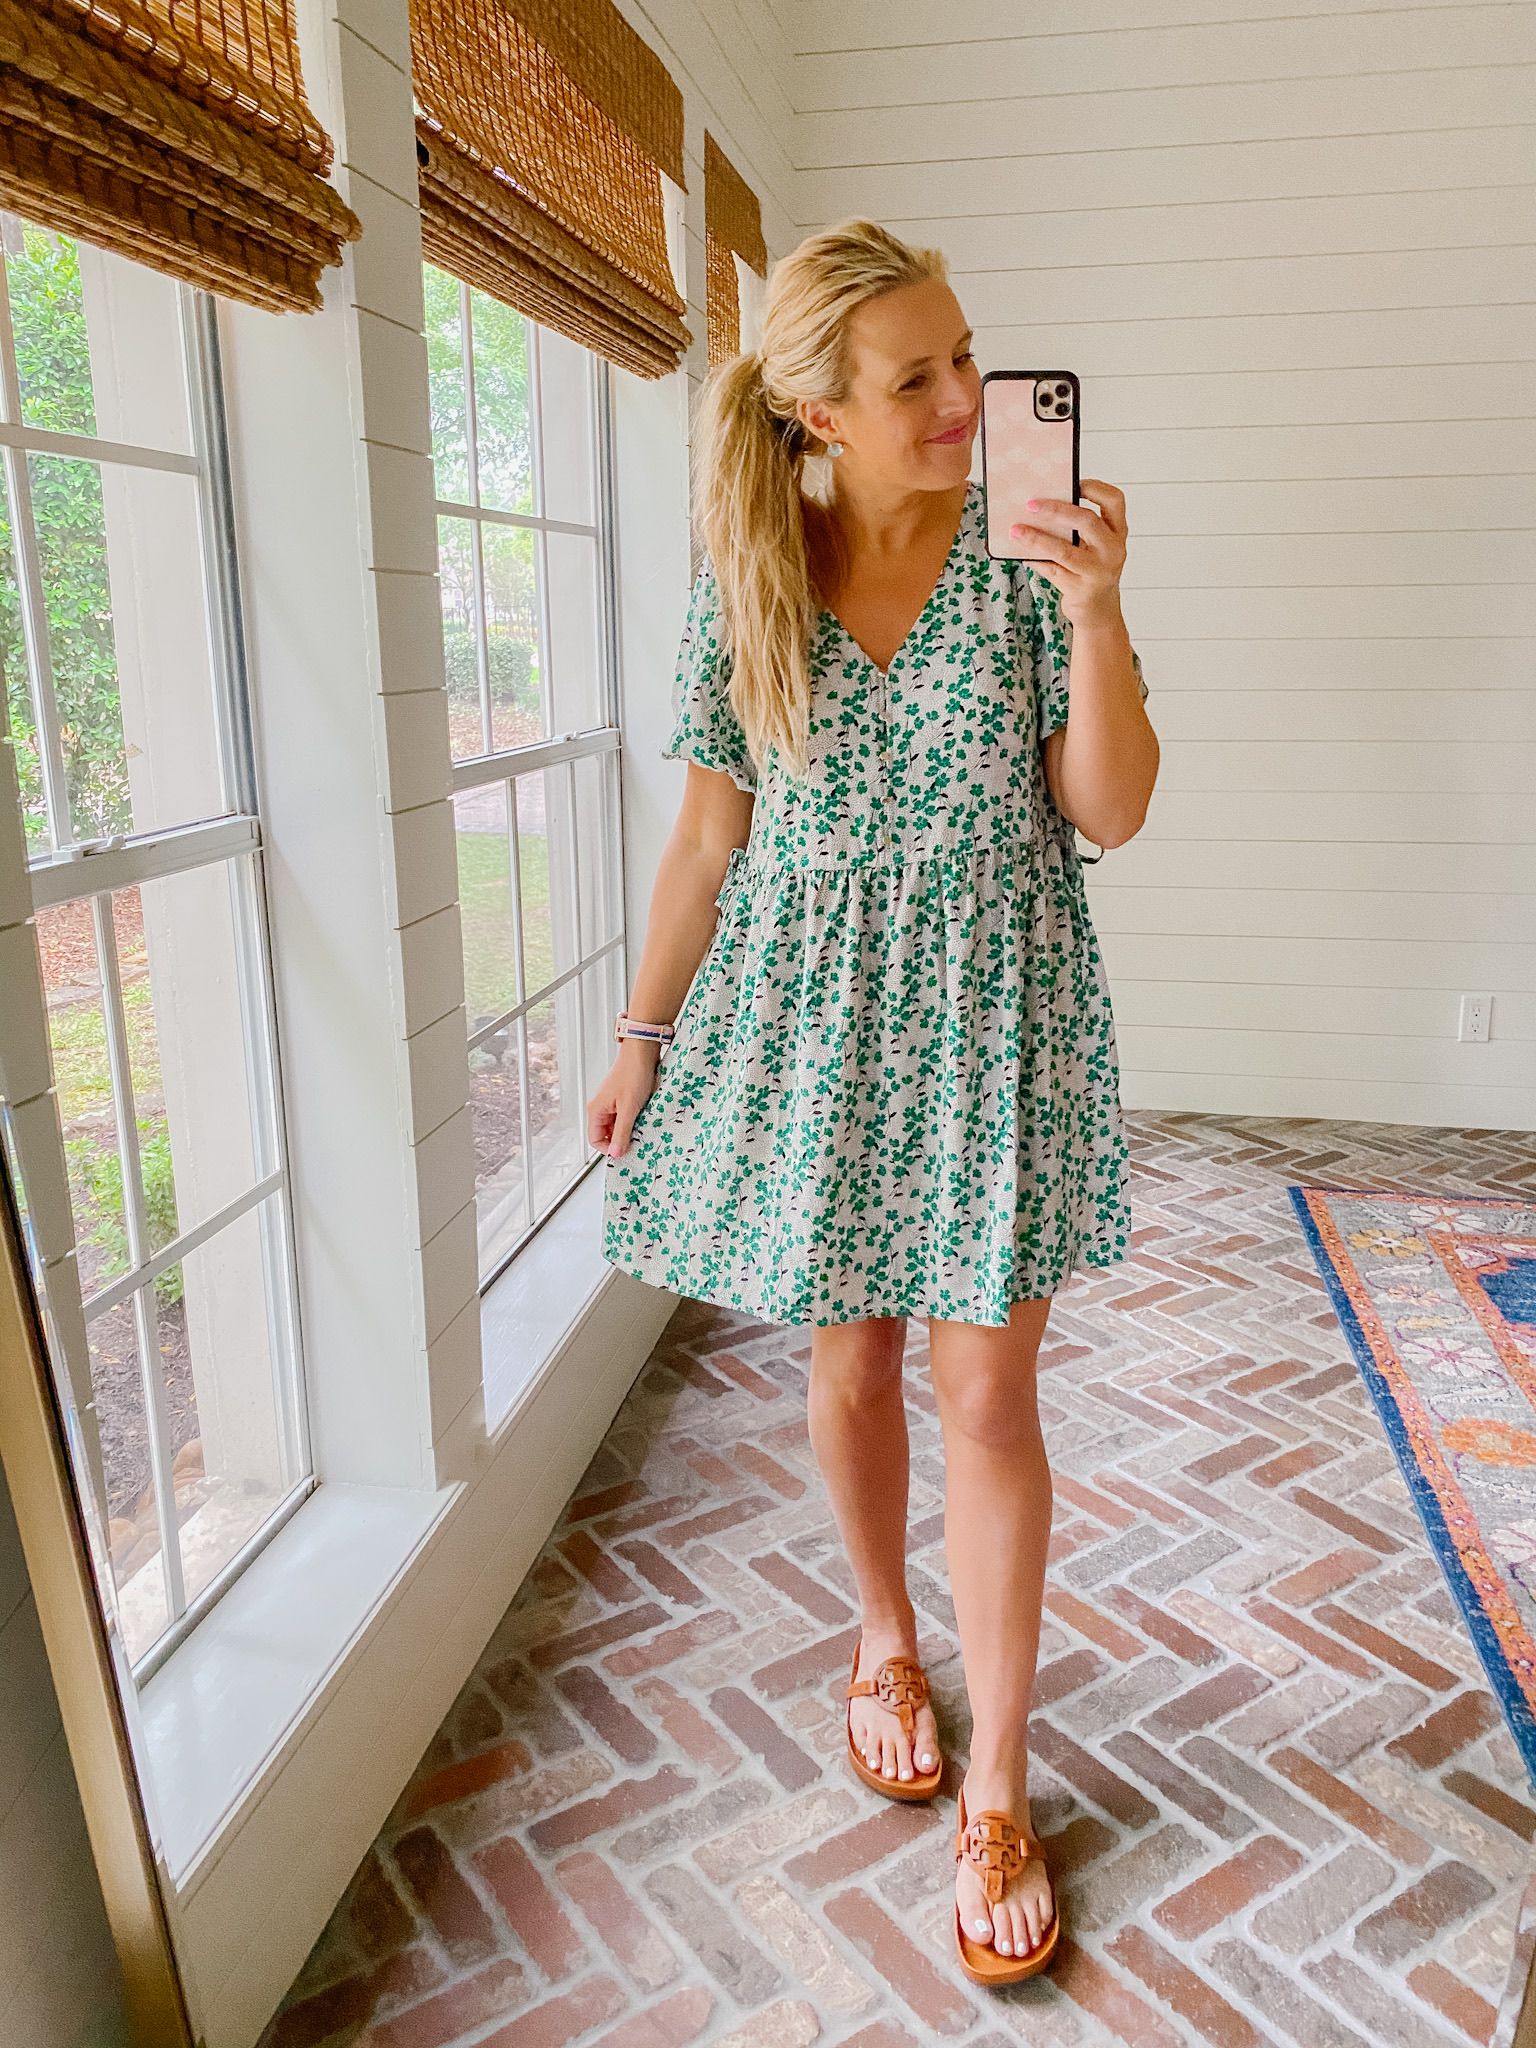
(543, 130)
(175, 132)
(733, 226)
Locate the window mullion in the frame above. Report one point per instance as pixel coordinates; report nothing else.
(519, 972)
(481, 769)
(182, 1247)
(29, 588)
(550, 988)
(216, 522)
(520, 984)
(258, 1023)
(576, 932)
(607, 536)
(525, 1120)
(541, 541)
(528, 522)
(146, 1320)
(34, 630)
(146, 857)
(482, 633)
(476, 537)
(467, 370)
(146, 1324)
(119, 1063)
(92, 448)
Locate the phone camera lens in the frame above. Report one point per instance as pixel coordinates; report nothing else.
(1063, 390)
(1063, 412)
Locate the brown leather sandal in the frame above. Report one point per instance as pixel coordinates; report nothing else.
(901, 1687)
(994, 1848)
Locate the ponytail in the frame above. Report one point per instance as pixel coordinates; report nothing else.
(750, 451)
(750, 521)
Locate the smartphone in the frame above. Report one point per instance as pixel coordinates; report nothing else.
(1029, 430)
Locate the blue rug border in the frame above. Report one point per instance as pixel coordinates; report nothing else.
(1505, 1686)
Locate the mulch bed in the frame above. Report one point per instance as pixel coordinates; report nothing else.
(495, 1097)
(66, 940)
(115, 1378)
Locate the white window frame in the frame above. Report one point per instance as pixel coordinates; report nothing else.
(77, 870)
(562, 750)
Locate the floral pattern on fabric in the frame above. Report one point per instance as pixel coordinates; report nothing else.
(893, 1087)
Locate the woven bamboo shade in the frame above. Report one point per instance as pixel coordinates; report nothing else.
(543, 131)
(733, 224)
(175, 132)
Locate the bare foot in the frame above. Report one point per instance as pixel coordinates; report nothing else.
(1022, 1918)
(877, 1730)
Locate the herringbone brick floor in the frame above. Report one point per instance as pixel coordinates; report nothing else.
(1281, 1806)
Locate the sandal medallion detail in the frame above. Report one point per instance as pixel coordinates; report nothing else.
(994, 1848)
(900, 1685)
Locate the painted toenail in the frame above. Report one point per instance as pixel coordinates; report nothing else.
(1004, 1949)
(906, 1774)
(927, 1762)
(983, 1926)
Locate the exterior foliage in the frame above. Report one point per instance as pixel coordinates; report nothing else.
(53, 362)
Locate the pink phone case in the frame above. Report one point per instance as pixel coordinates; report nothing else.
(1024, 456)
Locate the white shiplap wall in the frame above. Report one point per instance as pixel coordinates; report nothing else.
(1290, 255)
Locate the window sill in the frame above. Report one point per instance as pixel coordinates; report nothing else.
(217, 1715)
(280, 1732)
(526, 1311)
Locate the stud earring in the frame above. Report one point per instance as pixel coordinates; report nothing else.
(834, 447)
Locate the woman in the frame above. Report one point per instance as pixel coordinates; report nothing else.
(891, 1091)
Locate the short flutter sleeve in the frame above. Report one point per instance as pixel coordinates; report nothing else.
(707, 728)
(1048, 638)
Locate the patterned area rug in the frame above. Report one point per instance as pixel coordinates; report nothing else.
(1437, 1296)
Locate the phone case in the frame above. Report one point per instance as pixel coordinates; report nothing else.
(1025, 455)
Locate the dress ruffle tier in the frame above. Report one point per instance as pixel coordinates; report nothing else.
(972, 1079)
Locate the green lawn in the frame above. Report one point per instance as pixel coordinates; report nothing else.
(82, 1075)
(83, 1087)
(485, 914)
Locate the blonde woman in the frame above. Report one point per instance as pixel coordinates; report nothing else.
(868, 1068)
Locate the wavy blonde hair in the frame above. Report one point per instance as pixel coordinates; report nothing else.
(750, 451)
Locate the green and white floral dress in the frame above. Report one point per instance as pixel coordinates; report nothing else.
(893, 1089)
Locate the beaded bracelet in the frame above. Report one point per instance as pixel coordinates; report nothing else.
(625, 1026)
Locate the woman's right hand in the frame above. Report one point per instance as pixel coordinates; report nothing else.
(715, 817)
(626, 1088)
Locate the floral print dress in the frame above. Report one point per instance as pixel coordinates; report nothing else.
(893, 1088)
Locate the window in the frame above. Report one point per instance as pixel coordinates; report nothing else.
(521, 445)
(138, 844)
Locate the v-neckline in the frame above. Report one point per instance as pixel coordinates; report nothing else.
(939, 582)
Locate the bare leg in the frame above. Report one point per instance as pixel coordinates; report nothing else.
(859, 1434)
(997, 1526)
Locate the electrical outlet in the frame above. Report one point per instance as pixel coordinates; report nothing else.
(1476, 1016)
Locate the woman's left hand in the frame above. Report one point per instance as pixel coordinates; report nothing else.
(1088, 575)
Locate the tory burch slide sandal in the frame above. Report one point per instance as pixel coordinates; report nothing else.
(995, 1850)
(901, 1687)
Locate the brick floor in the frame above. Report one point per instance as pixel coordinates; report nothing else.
(1279, 1802)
